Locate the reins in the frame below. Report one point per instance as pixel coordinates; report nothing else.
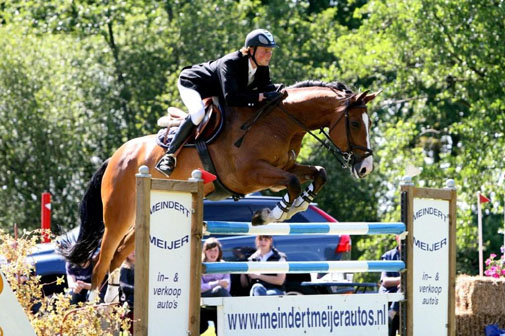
(264, 110)
(346, 159)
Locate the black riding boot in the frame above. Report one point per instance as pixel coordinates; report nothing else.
(167, 163)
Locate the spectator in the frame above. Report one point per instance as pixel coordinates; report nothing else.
(79, 280)
(127, 280)
(265, 284)
(390, 283)
(126, 285)
(214, 285)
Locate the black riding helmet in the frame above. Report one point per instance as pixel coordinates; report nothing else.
(259, 38)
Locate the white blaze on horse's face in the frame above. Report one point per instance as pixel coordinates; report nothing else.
(365, 167)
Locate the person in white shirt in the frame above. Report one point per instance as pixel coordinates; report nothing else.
(265, 284)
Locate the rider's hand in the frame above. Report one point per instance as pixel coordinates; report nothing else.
(271, 95)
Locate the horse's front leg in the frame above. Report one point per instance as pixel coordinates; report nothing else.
(273, 177)
(306, 173)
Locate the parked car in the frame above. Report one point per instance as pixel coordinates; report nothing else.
(296, 247)
(49, 264)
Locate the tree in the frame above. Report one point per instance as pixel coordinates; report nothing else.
(440, 67)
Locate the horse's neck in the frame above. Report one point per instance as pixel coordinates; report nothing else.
(314, 109)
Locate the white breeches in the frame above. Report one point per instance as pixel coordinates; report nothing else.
(193, 101)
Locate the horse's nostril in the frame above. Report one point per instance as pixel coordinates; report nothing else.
(362, 171)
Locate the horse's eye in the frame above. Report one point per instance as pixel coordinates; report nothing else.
(355, 124)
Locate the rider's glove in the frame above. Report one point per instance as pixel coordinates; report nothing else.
(271, 95)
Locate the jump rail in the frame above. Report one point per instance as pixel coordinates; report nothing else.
(350, 228)
(303, 267)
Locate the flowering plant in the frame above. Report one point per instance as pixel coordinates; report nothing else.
(495, 267)
(54, 314)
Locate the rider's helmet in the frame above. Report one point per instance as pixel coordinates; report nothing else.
(260, 38)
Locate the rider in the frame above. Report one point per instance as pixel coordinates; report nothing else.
(241, 78)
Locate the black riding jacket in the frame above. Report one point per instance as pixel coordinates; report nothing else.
(227, 78)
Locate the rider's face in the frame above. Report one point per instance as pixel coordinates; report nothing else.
(263, 55)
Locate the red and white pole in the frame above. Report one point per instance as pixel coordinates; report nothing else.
(45, 215)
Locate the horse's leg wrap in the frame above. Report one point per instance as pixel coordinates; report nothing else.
(281, 210)
(112, 294)
(301, 203)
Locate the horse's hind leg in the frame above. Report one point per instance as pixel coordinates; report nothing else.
(126, 246)
(110, 242)
(112, 237)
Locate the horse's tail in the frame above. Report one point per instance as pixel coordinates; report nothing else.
(92, 226)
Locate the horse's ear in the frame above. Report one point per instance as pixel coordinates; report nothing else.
(362, 96)
(370, 97)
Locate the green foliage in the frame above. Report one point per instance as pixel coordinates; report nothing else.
(439, 65)
(48, 92)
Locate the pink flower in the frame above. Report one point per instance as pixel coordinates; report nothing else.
(495, 268)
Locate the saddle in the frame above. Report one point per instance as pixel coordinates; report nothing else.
(208, 130)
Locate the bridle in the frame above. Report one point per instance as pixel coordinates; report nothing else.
(346, 158)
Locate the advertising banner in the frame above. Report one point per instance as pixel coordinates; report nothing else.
(431, 271)
(305, 315)
(169, 264)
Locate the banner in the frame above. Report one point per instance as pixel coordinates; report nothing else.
(169, 264)
(431, 272)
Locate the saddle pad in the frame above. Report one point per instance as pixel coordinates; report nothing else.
(164, 140)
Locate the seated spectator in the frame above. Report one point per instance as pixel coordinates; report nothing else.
(214, 285)
(79, 280)
(265, 284)
(126, 285)
(390, 283)
(127, 280)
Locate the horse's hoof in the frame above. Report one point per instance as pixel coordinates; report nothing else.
(94, 295)
(257, 219)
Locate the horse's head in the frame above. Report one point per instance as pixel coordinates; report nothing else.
(350, 132)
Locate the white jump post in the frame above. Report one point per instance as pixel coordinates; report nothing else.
(430, 215)
(167, 296)
(168, 233)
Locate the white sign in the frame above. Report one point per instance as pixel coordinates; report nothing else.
(13, 320)
(431, 271)
(169, 265)
(304, 315)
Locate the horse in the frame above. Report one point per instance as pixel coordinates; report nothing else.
(265, 159)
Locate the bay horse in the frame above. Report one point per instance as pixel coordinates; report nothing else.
(266, 159)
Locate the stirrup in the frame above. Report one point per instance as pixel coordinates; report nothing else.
(166, 167)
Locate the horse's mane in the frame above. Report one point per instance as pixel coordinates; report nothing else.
(334, 85)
